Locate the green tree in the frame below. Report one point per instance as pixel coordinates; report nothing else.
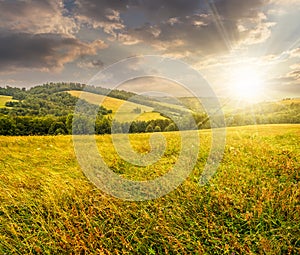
(7, 126)
(82, 125)
(57, 128)
(157, 129)
(103, 126)
(69, 122)
(149, 129)
(170, 128)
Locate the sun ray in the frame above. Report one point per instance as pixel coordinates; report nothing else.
(246, 83)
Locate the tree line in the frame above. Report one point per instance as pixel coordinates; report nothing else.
(81, 124)
(78, 124)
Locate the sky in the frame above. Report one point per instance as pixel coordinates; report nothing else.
(242, 48)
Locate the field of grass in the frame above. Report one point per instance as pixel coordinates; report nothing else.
(251, 206)
(125, 112)
(182, 107)
(3, 100)
(109, 102)
(290, 101)
(146, 116)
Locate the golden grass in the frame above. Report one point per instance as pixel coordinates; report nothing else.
(110, 103)
(251, 206)
(146, 116)
(290, 101)
(125, 108)
(4, 100)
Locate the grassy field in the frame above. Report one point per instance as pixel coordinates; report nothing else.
(109, 102)
(251, 206)
(290, 101)
(146, 116)
(126, 110)
(4, 99)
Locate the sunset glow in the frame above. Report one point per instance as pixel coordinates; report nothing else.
(247, 84)
(72, 40)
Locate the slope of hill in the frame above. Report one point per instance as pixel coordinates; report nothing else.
(127, 111)
(284, 111)
(289, 101)
(114, 100)
(28, 112)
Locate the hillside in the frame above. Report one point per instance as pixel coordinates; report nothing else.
(127, 110)
(251, 206)
(244, 113)
(48, 109)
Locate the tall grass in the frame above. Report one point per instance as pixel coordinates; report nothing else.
(250, 207)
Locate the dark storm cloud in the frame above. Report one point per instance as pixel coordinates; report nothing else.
(187, 34)
(42, 33)
(209, 28)
(155, 10)
(236, 9)
(36, 34)
(36, 16)
(97, 10)
(21, 8)
(228, 9)
(41, 51)
(177, 26)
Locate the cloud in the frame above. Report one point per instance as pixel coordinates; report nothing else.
(285, 3)
(255, 30)
(287, 84)
(106, 11)
(90, 63)
(173, 27)
(295, 66)
(154, 86)
(281, 57)
(295, 53)
(181, 26)
(202, 29)
(236, 9)
(41, 51)
(35, 16)
(103, 14)
(40, 34)
(178, 37)
(291, 78)
(295, 75)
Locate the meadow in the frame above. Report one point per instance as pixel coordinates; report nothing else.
(251, 206)
(4, 99)
(125, 108)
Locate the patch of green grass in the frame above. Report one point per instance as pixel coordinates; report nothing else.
(251, 206)
(4, 100)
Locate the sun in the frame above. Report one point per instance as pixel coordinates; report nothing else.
(246, 83)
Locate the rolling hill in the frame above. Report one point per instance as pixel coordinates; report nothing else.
(49, 109)
(149, 106)
(126, 108)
